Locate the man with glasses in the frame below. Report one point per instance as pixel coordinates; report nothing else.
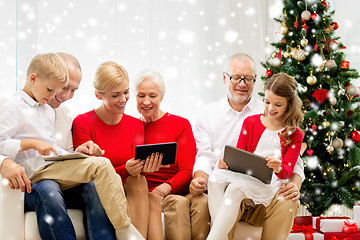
(219, 124)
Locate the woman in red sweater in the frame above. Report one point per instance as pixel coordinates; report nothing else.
(168, 186)
(117, 134)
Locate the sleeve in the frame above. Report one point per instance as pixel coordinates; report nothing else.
(244, 136)
(291, 155)
(186, 152)
(2, 158)
(205, 156)
(9, 125)
(81, 131)
(299, 168)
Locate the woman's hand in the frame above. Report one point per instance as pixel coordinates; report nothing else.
(222, 164)
(134, 167)
(90, 148)
(289, 190)
(274, 163)
(153, 163)
(163, 189)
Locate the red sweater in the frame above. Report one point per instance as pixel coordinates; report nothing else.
(118, 140)
(172, 128)
(250, 135)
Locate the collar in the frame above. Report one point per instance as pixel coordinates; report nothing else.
(28, 99)
(252, 104)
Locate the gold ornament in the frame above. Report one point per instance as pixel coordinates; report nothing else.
(286, 54)
(332, 101)
(306, 15)
(352, 90)
(283, 29)
(326, 124)
(330, 64)
(337, 143)
(299, 54)
(304, 42)
(311, 80)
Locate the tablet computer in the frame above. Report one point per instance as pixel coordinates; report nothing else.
(248, 163)
(70, 156)
(167, 149)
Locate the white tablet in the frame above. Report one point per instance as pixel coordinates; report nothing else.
(70, 156)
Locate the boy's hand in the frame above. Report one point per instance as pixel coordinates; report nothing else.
(274, 163)
(15, 174)
(42, 147)
(134, 167)
(222, 164)
(90, 148)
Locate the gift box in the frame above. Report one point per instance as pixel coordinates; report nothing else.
(356, 213)
(341, 236)
(304, 232)
(330, 224)
(303, 220)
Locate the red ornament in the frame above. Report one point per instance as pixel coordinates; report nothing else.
(314, 16)
(316, 47)
(320, 95)
(349, 228)
(268, 73)
(310, 152)
(355, 136)
(313, 127)
(324, 3)
(296, 24)
(345, 64)
(335, 25)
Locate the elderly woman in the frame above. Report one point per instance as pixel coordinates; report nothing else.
(117, 134)
(168, 185)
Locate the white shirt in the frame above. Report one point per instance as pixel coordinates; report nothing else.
(218, 125)
(23, 118)
(62, 129)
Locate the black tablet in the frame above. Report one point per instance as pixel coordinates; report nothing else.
(248, 163)
(167, 149)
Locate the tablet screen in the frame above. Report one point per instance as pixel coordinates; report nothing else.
(167, 149)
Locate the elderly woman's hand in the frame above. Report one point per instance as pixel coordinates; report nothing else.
(134, 167)
(163, 189)
(153, 163)
(289, 190)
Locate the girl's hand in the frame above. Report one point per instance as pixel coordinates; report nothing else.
(134, 167)
(153, 163)
(163, 189)
(274, 163)
(222, 164)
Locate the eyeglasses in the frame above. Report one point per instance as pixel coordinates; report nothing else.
(248, 80)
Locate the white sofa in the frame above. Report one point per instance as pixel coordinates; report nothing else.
(15, 225)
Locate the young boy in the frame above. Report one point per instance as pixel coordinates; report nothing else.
(26, 135)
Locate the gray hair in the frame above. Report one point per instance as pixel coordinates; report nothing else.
(152, 75)
(240, 57)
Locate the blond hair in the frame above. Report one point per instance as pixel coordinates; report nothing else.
(49, 66)
(108, 75)
(285, 86)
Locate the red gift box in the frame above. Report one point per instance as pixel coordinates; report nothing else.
(329, 224)
(303, 220)
(307, 231)
(350, 228)
(341, 236)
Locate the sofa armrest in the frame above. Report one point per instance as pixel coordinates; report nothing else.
(11, 212)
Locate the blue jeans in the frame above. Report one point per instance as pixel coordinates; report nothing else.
(50, 205)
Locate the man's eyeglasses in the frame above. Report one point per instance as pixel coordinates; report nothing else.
(237, 79)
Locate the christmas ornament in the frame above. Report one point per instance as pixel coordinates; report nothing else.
(324, 3)
(349, 113)
(310, 152)
(327, 44)
(335, 25)
(314, 16)
(275, 62)
(273, 55)
(268, 73)
(286, 54)
(355, 136)
(304, 42)
(332, 101)
(283, 29)
(345, 64)
(311, 80)
(306, 15)
(326, 124)
(330, 64)
(337, 143)
(296, 24)
(299, 54)
(320, 95)
(352, 90)
(314, 127)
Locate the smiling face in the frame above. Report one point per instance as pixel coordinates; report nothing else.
(149, 97)
(239, 94)
(42, 90)
(114, 99)
(68, 91)
(275, 106)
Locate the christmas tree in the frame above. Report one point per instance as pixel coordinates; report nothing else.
(309, 51)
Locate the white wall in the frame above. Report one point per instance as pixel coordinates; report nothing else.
(186, 40)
